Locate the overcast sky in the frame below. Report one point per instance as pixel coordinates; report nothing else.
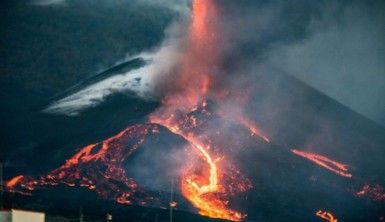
(344, 58)
(336, 47)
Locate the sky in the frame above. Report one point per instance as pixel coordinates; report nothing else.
(343, 58)
(336, 47)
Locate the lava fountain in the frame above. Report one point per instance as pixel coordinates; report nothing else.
(195, 75)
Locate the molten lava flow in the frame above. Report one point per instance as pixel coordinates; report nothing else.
(249, 124)
(204, 190)
(336, 167)
(97, 167)
(12, 182)
(201, 191)
(201, 184)
(326, 215)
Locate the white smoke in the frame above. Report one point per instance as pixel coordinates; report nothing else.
(96, 93)
(48, 2)
(142, 81)
(181, 6)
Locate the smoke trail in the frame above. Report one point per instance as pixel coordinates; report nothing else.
(143, 81)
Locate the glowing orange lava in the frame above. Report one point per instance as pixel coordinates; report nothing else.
(326, 216)
(249, 124)
(12, 182)
(97, 167)
(195, 77)
(204, 190)
(173, 204)
(338, 168)
(374, 192)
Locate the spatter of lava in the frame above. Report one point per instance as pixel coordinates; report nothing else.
(326, 216)
(97, 167)
(338, 168)
(373, 191)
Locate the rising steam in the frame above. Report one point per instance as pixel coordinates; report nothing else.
(142, 81)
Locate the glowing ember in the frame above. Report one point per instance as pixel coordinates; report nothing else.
(336, 167)
(173, 204)
(97, 167)
(326, 216)
(374, 192)
(12, 182)
(249, 124)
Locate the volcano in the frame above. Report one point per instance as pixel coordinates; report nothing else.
(279, 151)
(282, 186)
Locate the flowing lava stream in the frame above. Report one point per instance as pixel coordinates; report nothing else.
(326, 216)
(338, 168)
(98, 167)
(253, 128)
(202, 190)
(195, 75)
